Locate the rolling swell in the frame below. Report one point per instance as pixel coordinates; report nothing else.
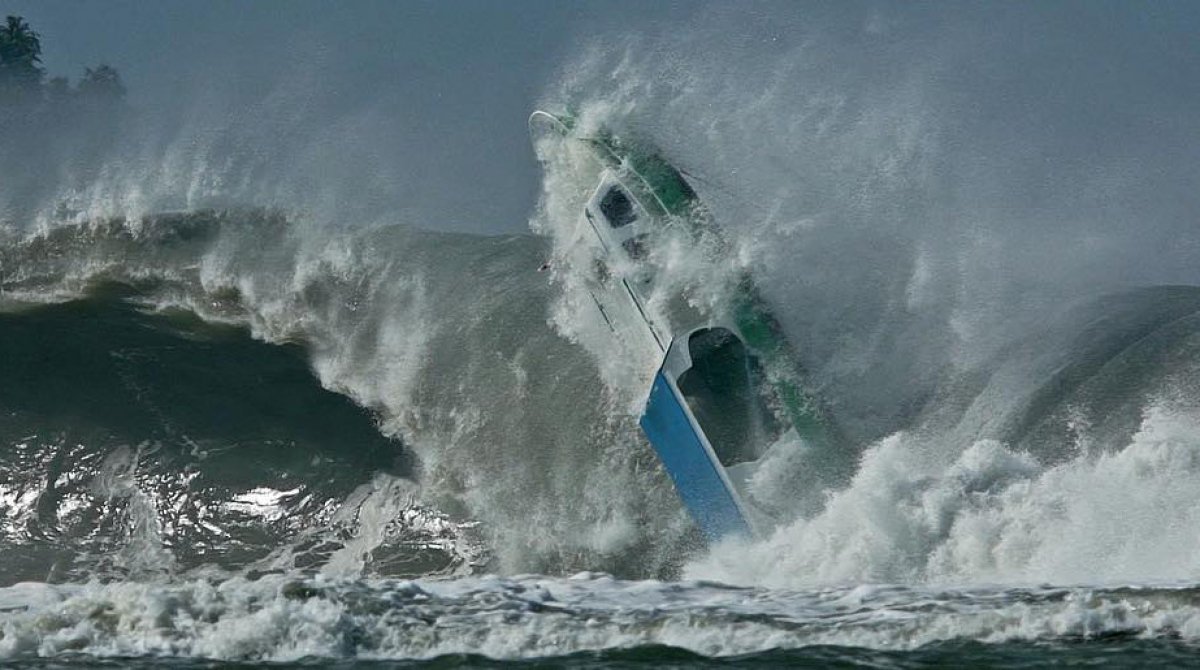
(141, 443)
(1093, 373)
(199, 430)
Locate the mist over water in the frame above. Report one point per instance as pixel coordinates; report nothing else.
(976, 223)
(932, 181)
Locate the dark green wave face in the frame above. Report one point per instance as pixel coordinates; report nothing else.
(402, 408)
(115, 419)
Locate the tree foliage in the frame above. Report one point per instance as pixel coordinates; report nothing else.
(22, 76)
(20, 57)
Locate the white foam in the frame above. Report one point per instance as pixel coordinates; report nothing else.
(989, 515)
(277, 619)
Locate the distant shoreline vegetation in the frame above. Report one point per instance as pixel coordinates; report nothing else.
(56, 135)
(23, 81)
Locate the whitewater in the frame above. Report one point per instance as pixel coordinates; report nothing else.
(254, 412)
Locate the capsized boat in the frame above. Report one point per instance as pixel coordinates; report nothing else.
(727, 386)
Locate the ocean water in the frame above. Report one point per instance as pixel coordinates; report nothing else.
(356, 461)
(255, 414)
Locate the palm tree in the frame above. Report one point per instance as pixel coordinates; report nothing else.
(20, 55)
(18, 43)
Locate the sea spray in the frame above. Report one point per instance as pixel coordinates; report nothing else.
(991, 515)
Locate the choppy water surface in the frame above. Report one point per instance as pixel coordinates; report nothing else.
(591, 619)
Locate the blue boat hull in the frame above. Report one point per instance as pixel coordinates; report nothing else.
(699, 478)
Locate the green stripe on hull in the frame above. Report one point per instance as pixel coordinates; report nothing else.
(763, 335)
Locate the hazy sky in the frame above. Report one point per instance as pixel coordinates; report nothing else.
(447, 84)
(420, 107)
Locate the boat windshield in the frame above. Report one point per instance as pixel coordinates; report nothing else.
(617, 208)
(723, 388)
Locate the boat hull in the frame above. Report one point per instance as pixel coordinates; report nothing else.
(688, 458)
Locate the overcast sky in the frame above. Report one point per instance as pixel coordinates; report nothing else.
(447, 84)
(421, 106)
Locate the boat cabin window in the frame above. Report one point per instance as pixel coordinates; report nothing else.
(617, 207)
(724, 390)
